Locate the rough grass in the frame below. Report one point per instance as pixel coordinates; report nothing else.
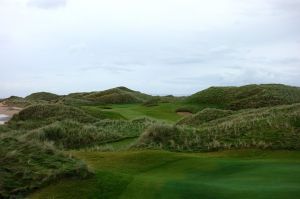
(73, 101)
(42, 96)
(119, 95)
(159, 174)
(266, 128)
(205, 115)
(68, 134)
(27, 165)
(16, 101)
(249, 96)
(73, 135)
(127, 129)
(43, 114)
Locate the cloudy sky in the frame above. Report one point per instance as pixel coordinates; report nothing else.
(155, 46)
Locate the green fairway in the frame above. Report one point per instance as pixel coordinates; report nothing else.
(160, 174)
(164, 111)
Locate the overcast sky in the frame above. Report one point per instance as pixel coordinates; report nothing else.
(155, 46)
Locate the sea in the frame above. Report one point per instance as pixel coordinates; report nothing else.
(4, 118)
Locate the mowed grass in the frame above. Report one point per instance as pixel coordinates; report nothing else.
(160, 174)
(163, 111)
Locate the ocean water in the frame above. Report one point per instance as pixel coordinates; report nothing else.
(4, 118)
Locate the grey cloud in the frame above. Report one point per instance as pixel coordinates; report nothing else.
(47, 4)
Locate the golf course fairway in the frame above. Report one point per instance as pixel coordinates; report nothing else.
(160, 174)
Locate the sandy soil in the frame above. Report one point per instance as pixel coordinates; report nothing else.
(8, 112)
(184, 113)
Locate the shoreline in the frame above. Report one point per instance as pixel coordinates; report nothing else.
(6, 112)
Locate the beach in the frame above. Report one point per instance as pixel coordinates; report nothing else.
(6, 112)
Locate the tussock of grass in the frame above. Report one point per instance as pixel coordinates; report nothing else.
(249, 96)
(267, 128)
(27, 165)
(203, 116)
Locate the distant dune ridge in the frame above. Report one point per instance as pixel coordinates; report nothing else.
(249, 96)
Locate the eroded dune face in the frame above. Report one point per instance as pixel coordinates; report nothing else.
(6, 112)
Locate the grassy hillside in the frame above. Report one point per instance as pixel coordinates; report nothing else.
(16, 101)
(119, 95)
(205, 115)
(27, 165)
(160, 174)
(250, 96)
(267, 128)
(47, 113)
(42, 96)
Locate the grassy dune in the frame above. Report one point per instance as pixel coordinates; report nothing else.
(119, 95)
(272, 128)
(206, 115)
(249, 96)
(42, 96)
(159, 174)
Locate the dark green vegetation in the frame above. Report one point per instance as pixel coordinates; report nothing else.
(26, 165)
(205, 115)
(158, 174)
(250, 96)
(113, 130)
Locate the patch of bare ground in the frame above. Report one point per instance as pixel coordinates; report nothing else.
(184, 113)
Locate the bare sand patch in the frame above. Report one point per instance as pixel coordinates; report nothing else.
(184, 113)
